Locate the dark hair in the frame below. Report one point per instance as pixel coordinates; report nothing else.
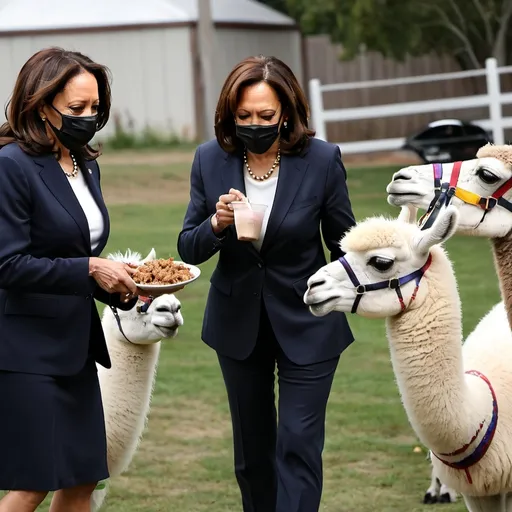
(293, 102)
(41, 78)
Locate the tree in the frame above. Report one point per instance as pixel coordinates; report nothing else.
(470, 30)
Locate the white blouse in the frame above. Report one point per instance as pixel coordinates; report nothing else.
(90, 208)
(261, 192)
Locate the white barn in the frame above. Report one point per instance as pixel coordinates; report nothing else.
(151, 49)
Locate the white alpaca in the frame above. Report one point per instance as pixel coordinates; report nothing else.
(127, 387)
(458, 398)
(483, 193)
(483, 177)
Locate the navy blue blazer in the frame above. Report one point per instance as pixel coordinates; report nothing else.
(49, 323)
(311, 199)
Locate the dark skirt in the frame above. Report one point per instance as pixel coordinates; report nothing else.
(52, 431)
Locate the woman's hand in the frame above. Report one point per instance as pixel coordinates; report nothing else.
(113, 277)
(224, 215)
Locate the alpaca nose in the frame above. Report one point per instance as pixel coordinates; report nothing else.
(168, 308)
(402, 175)
(316, 280)
(314, 284)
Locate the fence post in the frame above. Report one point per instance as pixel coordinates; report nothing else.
(494, 94)
(317, 108)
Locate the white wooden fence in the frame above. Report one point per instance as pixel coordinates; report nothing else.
(494, 100)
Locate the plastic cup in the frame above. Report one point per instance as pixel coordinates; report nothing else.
(248, 220)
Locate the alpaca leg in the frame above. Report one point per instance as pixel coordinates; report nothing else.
(508, 502)
(431, 496)
(98, 497)
(447, 494)
(485, 503)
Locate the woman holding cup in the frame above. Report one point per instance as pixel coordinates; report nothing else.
(263, 194)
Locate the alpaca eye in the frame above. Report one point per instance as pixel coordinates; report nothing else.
(381, 264)
(487, 176)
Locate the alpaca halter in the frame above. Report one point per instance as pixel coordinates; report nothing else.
(394, 284)
(485, 442)
(443, 193)
(142, 308)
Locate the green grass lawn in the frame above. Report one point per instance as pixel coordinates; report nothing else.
(184, 462)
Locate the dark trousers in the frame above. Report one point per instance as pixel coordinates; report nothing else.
(278, 464)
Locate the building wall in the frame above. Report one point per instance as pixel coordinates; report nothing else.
(151, 68)
(234, 44)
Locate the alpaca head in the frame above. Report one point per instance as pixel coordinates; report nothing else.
(150, 320)
(478, 179)
(379, 254)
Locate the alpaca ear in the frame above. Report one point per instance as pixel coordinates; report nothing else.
(443, 228)
(408, 214)
(150, 257)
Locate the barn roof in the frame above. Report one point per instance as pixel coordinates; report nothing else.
(53, 15)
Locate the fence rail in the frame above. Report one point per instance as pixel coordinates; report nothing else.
(493, 100)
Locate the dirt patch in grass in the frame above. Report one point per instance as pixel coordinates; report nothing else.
(181, 435)
(153, 193)
(135, 184)
(159, 157)
(147, 157)
(158, 177)
(182, 429)
(366, 466)
(398, 158)
(197, 420)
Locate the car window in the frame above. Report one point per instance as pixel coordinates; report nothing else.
(474, 130)
(440, 132)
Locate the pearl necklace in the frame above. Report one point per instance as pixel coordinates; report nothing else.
(267, 175)
(73, 173)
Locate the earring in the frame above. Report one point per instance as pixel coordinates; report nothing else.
(43, 119)
(286, 124)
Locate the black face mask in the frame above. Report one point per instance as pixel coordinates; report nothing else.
(76, 131)
(258, 138)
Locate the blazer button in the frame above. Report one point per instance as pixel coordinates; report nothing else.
(260, 265)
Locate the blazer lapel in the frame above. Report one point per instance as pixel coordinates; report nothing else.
(57, 183)
(94, 186)
(232, 174)
(291, 173)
